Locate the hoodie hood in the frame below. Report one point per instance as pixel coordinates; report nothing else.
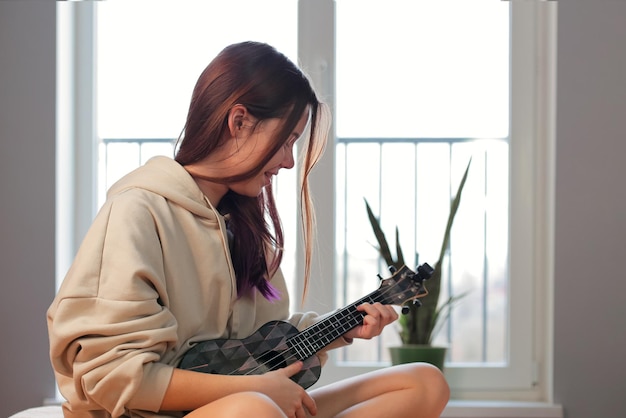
(166, 177)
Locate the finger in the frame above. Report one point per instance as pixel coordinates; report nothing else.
(369, 309)
(309, 404)
(367, 330)
(293, 368)
(385, 314)
(389, 314)
(377, 311)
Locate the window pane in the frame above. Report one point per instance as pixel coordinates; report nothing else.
(428, 68)
(151, 52)
(416, 100)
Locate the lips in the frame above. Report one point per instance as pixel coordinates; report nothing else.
(268, 176)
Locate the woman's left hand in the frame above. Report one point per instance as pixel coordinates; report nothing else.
(377, 317)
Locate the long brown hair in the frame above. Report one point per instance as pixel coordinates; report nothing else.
(269, 85)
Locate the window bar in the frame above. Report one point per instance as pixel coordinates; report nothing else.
(415, 203)
(343, 354)
(106, 164)
(485, 261)
(448, 279)
(380, 216)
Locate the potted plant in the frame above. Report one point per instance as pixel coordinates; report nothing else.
(421, 321)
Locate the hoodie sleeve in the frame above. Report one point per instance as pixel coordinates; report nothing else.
(109, 327)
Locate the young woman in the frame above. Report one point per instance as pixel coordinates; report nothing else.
(188, 250)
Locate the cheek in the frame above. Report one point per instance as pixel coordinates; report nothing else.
(276, 159)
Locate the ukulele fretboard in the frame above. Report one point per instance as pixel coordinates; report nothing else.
(319, 335)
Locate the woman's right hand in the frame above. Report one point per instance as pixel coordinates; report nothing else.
(287, 394)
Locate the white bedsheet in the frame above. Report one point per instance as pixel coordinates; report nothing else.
(53, 411)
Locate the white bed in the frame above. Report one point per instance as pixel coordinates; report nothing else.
(53, 411)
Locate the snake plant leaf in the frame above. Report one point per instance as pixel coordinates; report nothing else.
(399, 256)
(443, 312)
(383, 246)
(429, 318)
(421, 324)
(454, 207)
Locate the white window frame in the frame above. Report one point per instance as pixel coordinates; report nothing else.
(533, 29)
(76, 147)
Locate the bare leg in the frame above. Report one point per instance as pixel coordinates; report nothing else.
(239, 405)
(415, 390)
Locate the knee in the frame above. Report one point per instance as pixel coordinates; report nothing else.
(433, 375)
(254, 404)
(434, 378)
(430, 381)
(243, 404)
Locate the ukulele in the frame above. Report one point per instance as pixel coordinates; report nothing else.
(278, 344)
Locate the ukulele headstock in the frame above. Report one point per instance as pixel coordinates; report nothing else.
(405, 285)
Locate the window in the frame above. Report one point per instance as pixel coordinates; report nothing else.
(433, 100)
(516, 360)
(463, 92)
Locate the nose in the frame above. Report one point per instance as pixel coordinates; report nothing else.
(288, 161)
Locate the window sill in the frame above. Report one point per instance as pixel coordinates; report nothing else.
(500, 409)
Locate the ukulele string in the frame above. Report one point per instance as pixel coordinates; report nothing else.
(349, 310)
(288, 353)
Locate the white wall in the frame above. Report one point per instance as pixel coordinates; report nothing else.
(27, 171)
(590, 247)
(590, 284)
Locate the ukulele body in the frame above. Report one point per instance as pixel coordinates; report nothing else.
(265, 350)
(278, 344)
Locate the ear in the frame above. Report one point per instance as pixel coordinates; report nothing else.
(236, 116)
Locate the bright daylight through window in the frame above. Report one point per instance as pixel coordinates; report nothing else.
(415, 102)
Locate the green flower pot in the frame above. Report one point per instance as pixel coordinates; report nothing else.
(412, 353)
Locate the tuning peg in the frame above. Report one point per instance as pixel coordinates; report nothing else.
(425, 271)
(417, 303)
(405, 310)
(392, 269)
(379, 277)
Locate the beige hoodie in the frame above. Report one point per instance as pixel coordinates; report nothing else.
(152, 276)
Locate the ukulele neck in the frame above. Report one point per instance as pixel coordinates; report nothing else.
(319, 335)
